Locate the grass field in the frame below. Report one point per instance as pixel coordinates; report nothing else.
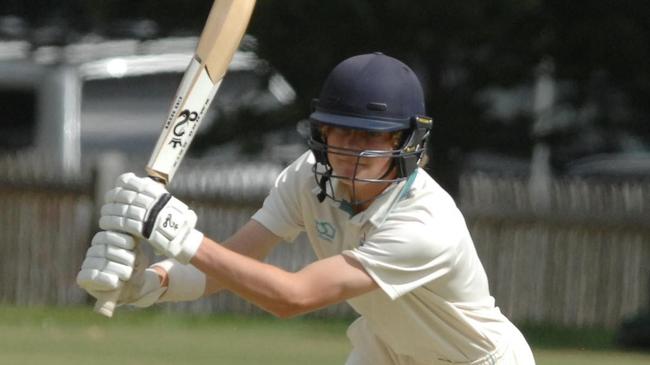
(77, 336)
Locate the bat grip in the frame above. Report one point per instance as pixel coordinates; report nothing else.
(106, 306)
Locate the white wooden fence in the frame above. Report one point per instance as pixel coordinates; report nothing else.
(585, 261)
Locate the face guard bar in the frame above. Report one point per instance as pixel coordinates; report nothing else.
(405, 159)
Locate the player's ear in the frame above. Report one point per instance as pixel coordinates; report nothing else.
(397, 139)
(324, 130)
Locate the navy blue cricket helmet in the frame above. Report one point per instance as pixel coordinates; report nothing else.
(376, 93)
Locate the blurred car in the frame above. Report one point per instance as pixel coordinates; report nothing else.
(75, 101)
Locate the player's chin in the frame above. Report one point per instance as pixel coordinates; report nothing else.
(358, 180)
(345, 169)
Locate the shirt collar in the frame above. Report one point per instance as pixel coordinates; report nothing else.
(377, 212)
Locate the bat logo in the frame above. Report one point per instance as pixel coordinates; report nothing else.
(179, 128)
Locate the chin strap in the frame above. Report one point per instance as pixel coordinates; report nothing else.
(323, 185)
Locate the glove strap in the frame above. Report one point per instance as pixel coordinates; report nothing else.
(153, 214)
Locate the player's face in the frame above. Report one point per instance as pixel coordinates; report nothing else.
(356, 141)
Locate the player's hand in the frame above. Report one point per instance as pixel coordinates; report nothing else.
(142, 207)
(114, 262)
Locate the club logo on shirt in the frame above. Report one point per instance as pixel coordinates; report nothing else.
(326, 230)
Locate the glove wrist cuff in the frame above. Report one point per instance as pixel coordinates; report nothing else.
(189, 246)
(186, 282)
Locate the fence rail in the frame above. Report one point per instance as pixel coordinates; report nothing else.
(582, 261)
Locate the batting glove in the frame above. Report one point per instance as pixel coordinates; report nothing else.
(144, 208)
(111, 263)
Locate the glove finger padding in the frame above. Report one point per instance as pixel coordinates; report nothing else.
(113, 262)
(122, 224)
(114, 254)
(143, 208)
(109, 261)
(115, 239)
(130, 203)
(133, 203)
(142, 185)
(94, 281)
(126, 212)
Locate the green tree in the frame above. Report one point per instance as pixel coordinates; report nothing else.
(458, 48)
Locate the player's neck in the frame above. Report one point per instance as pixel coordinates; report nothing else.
(369, 197)
(362, 194)
(365, 193)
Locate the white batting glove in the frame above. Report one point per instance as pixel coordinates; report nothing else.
(111, 263)
(142, 207)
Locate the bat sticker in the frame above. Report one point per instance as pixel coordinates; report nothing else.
(179, 128)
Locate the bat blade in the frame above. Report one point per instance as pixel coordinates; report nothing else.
(219, 40)
(191, 102)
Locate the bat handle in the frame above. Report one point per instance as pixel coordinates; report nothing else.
(106, 306)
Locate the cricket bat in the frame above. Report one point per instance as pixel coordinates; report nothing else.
(219, 40)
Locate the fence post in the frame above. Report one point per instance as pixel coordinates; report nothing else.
(544, 95)
(59, 131)
(109, 166)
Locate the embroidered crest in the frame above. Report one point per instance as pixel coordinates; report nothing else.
(326, 230)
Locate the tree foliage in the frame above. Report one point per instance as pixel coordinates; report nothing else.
(458, 48)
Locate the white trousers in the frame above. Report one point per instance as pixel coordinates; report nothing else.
(368, 349)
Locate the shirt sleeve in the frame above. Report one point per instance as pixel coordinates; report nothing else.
(281, 212)
(408, 250)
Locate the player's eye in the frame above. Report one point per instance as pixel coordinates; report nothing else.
(371, 134)
(336, 131)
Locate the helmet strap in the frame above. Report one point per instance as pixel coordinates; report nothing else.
(322, 184)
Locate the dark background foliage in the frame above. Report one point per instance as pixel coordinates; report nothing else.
(600, 48)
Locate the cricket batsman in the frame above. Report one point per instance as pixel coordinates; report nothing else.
(389, 240)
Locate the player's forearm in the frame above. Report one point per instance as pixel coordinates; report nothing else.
(252, 240)
(267, 286)
(212, 285)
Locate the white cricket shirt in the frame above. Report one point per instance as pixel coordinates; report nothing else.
(435, 302)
